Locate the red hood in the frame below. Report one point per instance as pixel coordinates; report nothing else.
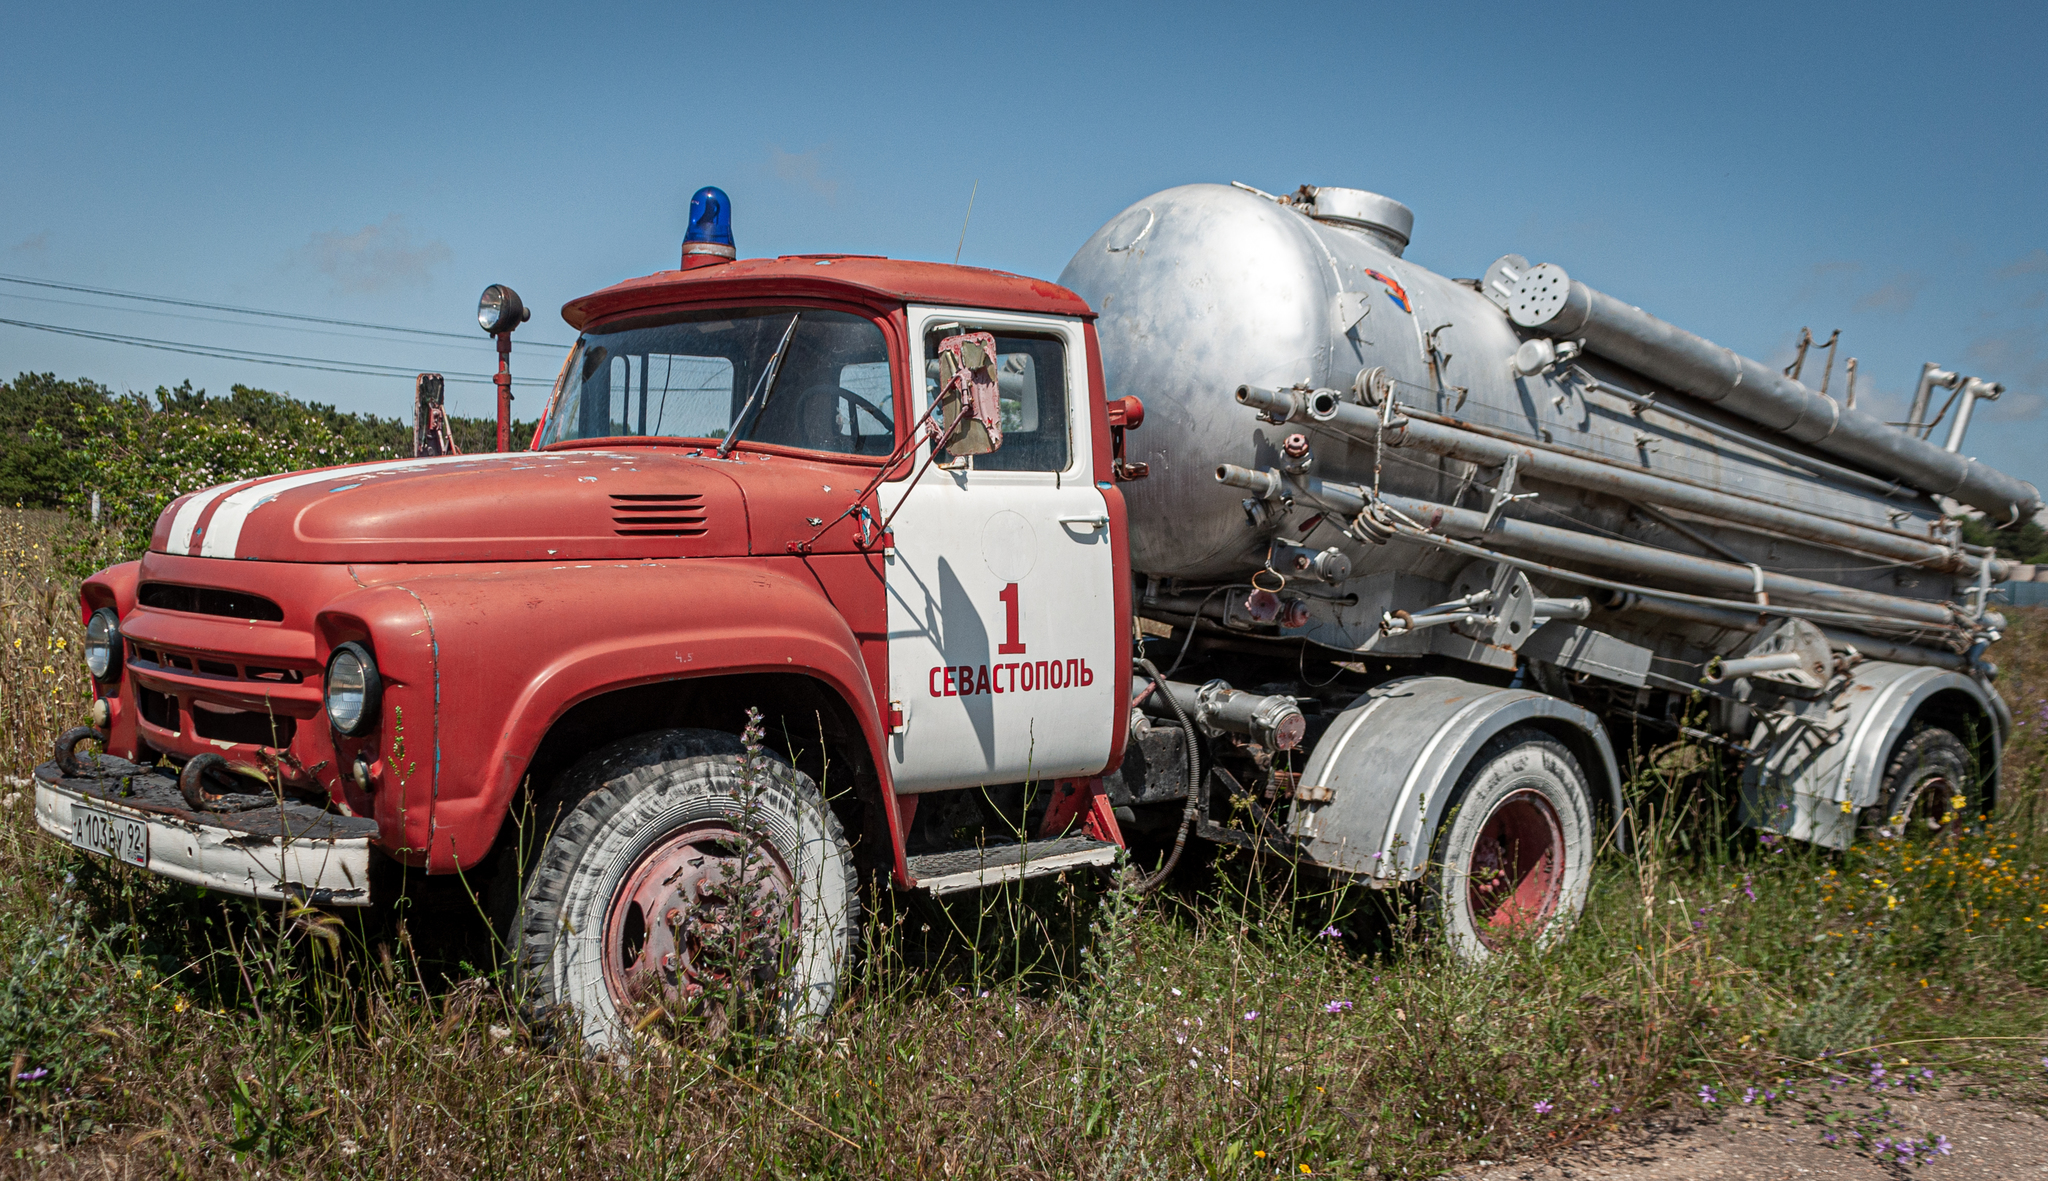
(570, 505)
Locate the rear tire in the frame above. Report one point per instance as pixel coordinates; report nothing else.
(1930, 785)
(1515, 858)
(677, 879)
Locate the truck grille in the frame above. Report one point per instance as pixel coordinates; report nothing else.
(245, 726)
(206, 600)
(658, 514)
(218, 668)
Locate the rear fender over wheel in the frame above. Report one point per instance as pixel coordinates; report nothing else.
(678, 881)
(1819, 774)
(1378, 786)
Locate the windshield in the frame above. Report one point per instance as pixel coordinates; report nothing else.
(706, 375)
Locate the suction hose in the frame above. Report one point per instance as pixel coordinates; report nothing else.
(1195, 780)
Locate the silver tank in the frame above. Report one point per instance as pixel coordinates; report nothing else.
(1206, 287)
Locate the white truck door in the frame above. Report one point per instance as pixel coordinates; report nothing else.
(1002, 636)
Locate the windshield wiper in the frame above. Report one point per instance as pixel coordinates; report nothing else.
(763, 389)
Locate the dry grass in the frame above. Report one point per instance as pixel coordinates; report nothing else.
(1217, 1031)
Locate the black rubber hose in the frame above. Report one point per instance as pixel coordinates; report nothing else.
(192, 780)
(67, 748)
(1195, 780)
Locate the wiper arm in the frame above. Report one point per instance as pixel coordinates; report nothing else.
(763, 389)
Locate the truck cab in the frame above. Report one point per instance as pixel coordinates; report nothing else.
(747, 563)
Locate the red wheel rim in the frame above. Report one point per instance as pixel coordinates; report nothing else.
(708, 909)
(1931, 808)
(1516, 876)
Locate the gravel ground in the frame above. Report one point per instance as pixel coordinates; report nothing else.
(1987, 1138)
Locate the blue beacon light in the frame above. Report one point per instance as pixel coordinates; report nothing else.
(708, 241)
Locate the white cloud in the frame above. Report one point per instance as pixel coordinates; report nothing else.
(376, 258)
(2034, 262)
(803, 168)
(1896, 295)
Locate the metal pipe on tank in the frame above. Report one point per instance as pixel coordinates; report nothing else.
(1974, 391)
(1510, 533)
(1873, 647)
(1478, 428)
(1612, 479)
(1547, 300)
(1931, 375)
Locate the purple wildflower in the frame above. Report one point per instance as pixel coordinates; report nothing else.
(1329, 933)
(1708, 1096)
(1251, 1015)
(1940, 1145)
(1336, 1006)
(1749, 1096)
(29, 1076)
(1543, 1107)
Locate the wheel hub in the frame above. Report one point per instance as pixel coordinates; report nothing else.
(1516, 876)
(706, 914)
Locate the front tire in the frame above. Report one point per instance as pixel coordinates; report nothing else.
(1515, 859)
(680, 883)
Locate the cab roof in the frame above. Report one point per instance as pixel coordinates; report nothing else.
(831, 275)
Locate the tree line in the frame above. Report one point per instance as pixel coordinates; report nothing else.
(62, 441)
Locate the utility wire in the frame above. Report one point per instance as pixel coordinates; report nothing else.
(286, 360)
(466, 342)
(241, 311)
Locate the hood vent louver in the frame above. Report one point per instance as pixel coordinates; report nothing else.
(658, 514)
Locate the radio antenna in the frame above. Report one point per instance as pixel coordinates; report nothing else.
(964, 221)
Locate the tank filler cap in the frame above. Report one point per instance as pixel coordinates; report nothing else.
(1382, 217)
(1538, 295)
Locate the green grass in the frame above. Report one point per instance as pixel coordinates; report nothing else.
(1210, 1030)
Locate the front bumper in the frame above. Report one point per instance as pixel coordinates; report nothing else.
(291, 850)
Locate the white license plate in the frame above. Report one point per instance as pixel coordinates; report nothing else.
(115, 836)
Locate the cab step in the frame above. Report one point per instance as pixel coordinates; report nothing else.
(972, 869)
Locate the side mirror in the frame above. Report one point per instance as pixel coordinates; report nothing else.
(971, 414)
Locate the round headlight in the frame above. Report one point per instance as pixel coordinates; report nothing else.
(103, 643)
(500, 310)
(353, 689)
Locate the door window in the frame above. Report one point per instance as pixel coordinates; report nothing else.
(1031, 376)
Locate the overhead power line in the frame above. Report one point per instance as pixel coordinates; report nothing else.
(286, 360)
(241, 311)
(467, 342)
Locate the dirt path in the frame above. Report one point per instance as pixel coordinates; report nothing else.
(1986, 1138)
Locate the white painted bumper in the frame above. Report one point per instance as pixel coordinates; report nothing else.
(271, 854)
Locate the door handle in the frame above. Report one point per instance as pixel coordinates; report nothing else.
(1099, 521)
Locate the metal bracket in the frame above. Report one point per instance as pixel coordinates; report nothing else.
(1504, 493)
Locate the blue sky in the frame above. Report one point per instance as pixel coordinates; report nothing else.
(1739, 170)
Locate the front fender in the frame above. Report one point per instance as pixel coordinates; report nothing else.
(480, 663)
(1386, 768)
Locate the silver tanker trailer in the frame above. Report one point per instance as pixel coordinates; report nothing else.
(1532, 526)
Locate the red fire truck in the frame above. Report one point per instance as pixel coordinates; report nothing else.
(879, 506)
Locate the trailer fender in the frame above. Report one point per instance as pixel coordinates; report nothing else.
(1377, 785)
(1823, 762)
